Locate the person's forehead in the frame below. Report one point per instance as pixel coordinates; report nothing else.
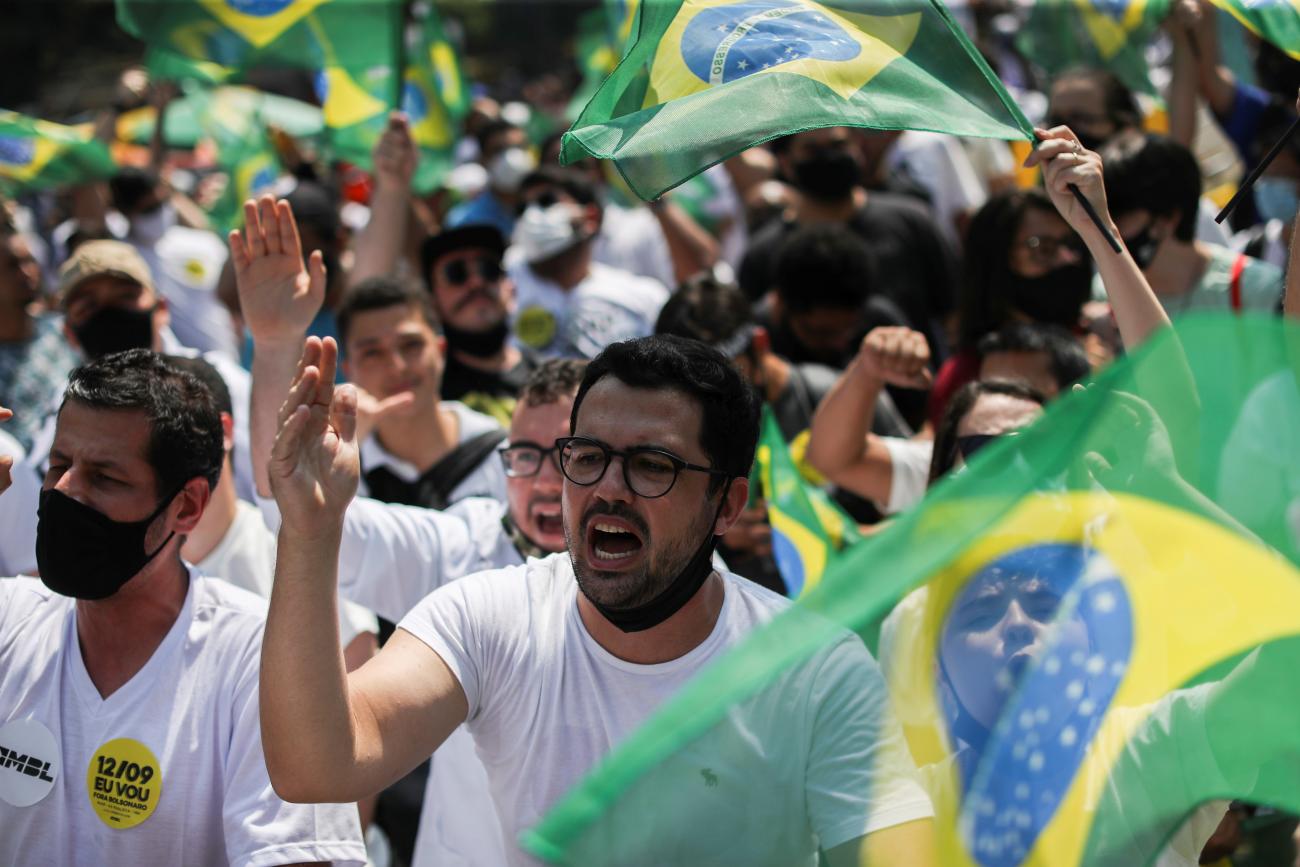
(998, 413)
(387, 321)
(821, 137)
(541, 423)
(1033, 365)
(1077, 94)
(623, 416)
(1044, 224)
(116, 437)
(462, 254)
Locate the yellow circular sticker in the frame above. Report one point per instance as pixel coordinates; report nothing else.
(535, 327)
(124, 783)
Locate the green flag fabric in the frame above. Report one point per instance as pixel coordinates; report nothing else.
(235, 120)
(37, 154)
(1109, 34)
(705, 79)
(1277, 21)
(808, 529)
(1089, 636)
(184, 127)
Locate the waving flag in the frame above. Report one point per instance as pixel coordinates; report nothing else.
(1277, 21)
(705, 79)
(1091, 638)
(1111, 34)
(235, 119)
(808, 529)
(38, 154)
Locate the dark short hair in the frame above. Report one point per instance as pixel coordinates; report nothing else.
(709, 310)
(208, 375)
(1066, 357)
(1156, 174)
(552, 380)
(729, 406)
(982, 303)
(130, 186)
(1119, 103)
(316, 206)
(377, 293)
(572, 181)
(824, 266)
(185, 435)
(491, 129)
(945, 437)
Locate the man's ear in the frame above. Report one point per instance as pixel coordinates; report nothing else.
(732, 505)
(162, 316)
(227, 432)
(188, 506)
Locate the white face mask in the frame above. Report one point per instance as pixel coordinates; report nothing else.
(509, 168)
(543, 232)
(149, 228)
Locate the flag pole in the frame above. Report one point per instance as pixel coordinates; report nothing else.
(1257, 171)
(1096, 218)
(399, 54)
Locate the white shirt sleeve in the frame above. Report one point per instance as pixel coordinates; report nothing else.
(909, 462)
(260, 829)
(18, 520)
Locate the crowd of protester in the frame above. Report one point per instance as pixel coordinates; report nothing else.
(530, 378)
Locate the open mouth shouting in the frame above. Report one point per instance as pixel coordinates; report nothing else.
(613, 543)
(546, 515)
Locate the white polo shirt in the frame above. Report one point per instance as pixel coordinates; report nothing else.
(166, 770)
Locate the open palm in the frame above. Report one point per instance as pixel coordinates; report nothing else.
(278, 295)
(315, 464)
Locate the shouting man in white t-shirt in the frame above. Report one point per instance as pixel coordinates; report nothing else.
(552, 663)
(128, 684)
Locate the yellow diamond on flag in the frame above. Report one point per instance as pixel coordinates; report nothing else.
(260, 21)
(442, 59)
(1111, 34)
(714, 42)
(347, 102)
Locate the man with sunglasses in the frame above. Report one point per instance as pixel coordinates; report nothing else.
(474, 299)
(552, 663)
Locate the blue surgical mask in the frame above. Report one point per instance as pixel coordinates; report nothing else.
(1277, 198)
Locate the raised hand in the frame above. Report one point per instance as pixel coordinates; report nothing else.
(1065, 161)
(372, 410)
(315, 464)
(278, 295)
(395, 155)
(896, 355)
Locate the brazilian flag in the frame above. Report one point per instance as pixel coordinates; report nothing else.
(706, 79)
(1277, 21)
(234, 120)
(808, 529)
(1090, 639)
(37, 154)
(1110, 34)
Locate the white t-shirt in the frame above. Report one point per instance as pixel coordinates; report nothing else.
(245, 557)
(186, 265)
(608, 306)
(183, 731)
(18, 518)
(632, 240)
(939, 164)
(488, 479)
(391, 557)
(546, 703)
(909, 464)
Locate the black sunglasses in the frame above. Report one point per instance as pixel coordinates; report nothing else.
(544, 200)
(457, 272)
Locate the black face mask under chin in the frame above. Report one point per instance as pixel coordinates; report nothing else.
(477, 344)
(115, 329)
(83, 553)
(675, 595)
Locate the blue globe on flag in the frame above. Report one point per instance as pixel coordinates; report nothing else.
(16, 151)
(414, 102)
(726, 43)
(259, 8)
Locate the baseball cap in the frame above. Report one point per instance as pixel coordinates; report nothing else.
(102, 258)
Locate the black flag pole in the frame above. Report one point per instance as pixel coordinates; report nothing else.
(1257, 171)
(1096, 219)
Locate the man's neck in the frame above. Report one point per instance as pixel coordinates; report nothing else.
(218, 517)
(677, 636)
(568, 269)
(119, 634)
(506, 359)
(422, 439)
(1177, 268)
(810, 210)
(16, 325)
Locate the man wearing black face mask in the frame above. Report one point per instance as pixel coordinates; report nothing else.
(908, 246)
(474, 298)
(552, 663)
(128, 683)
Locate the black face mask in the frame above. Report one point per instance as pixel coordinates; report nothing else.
(1056, 297)
(84, 554)
(675, 595)
(115, 329)
(478, 344)
(1143, 248)
(829, 177)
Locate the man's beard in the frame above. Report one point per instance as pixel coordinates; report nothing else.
(477, 344)
(635, 587)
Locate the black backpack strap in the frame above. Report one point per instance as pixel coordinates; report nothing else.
(443, 477)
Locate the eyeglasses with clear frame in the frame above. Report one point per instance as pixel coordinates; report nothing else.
(648, 472)
(524, 458)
